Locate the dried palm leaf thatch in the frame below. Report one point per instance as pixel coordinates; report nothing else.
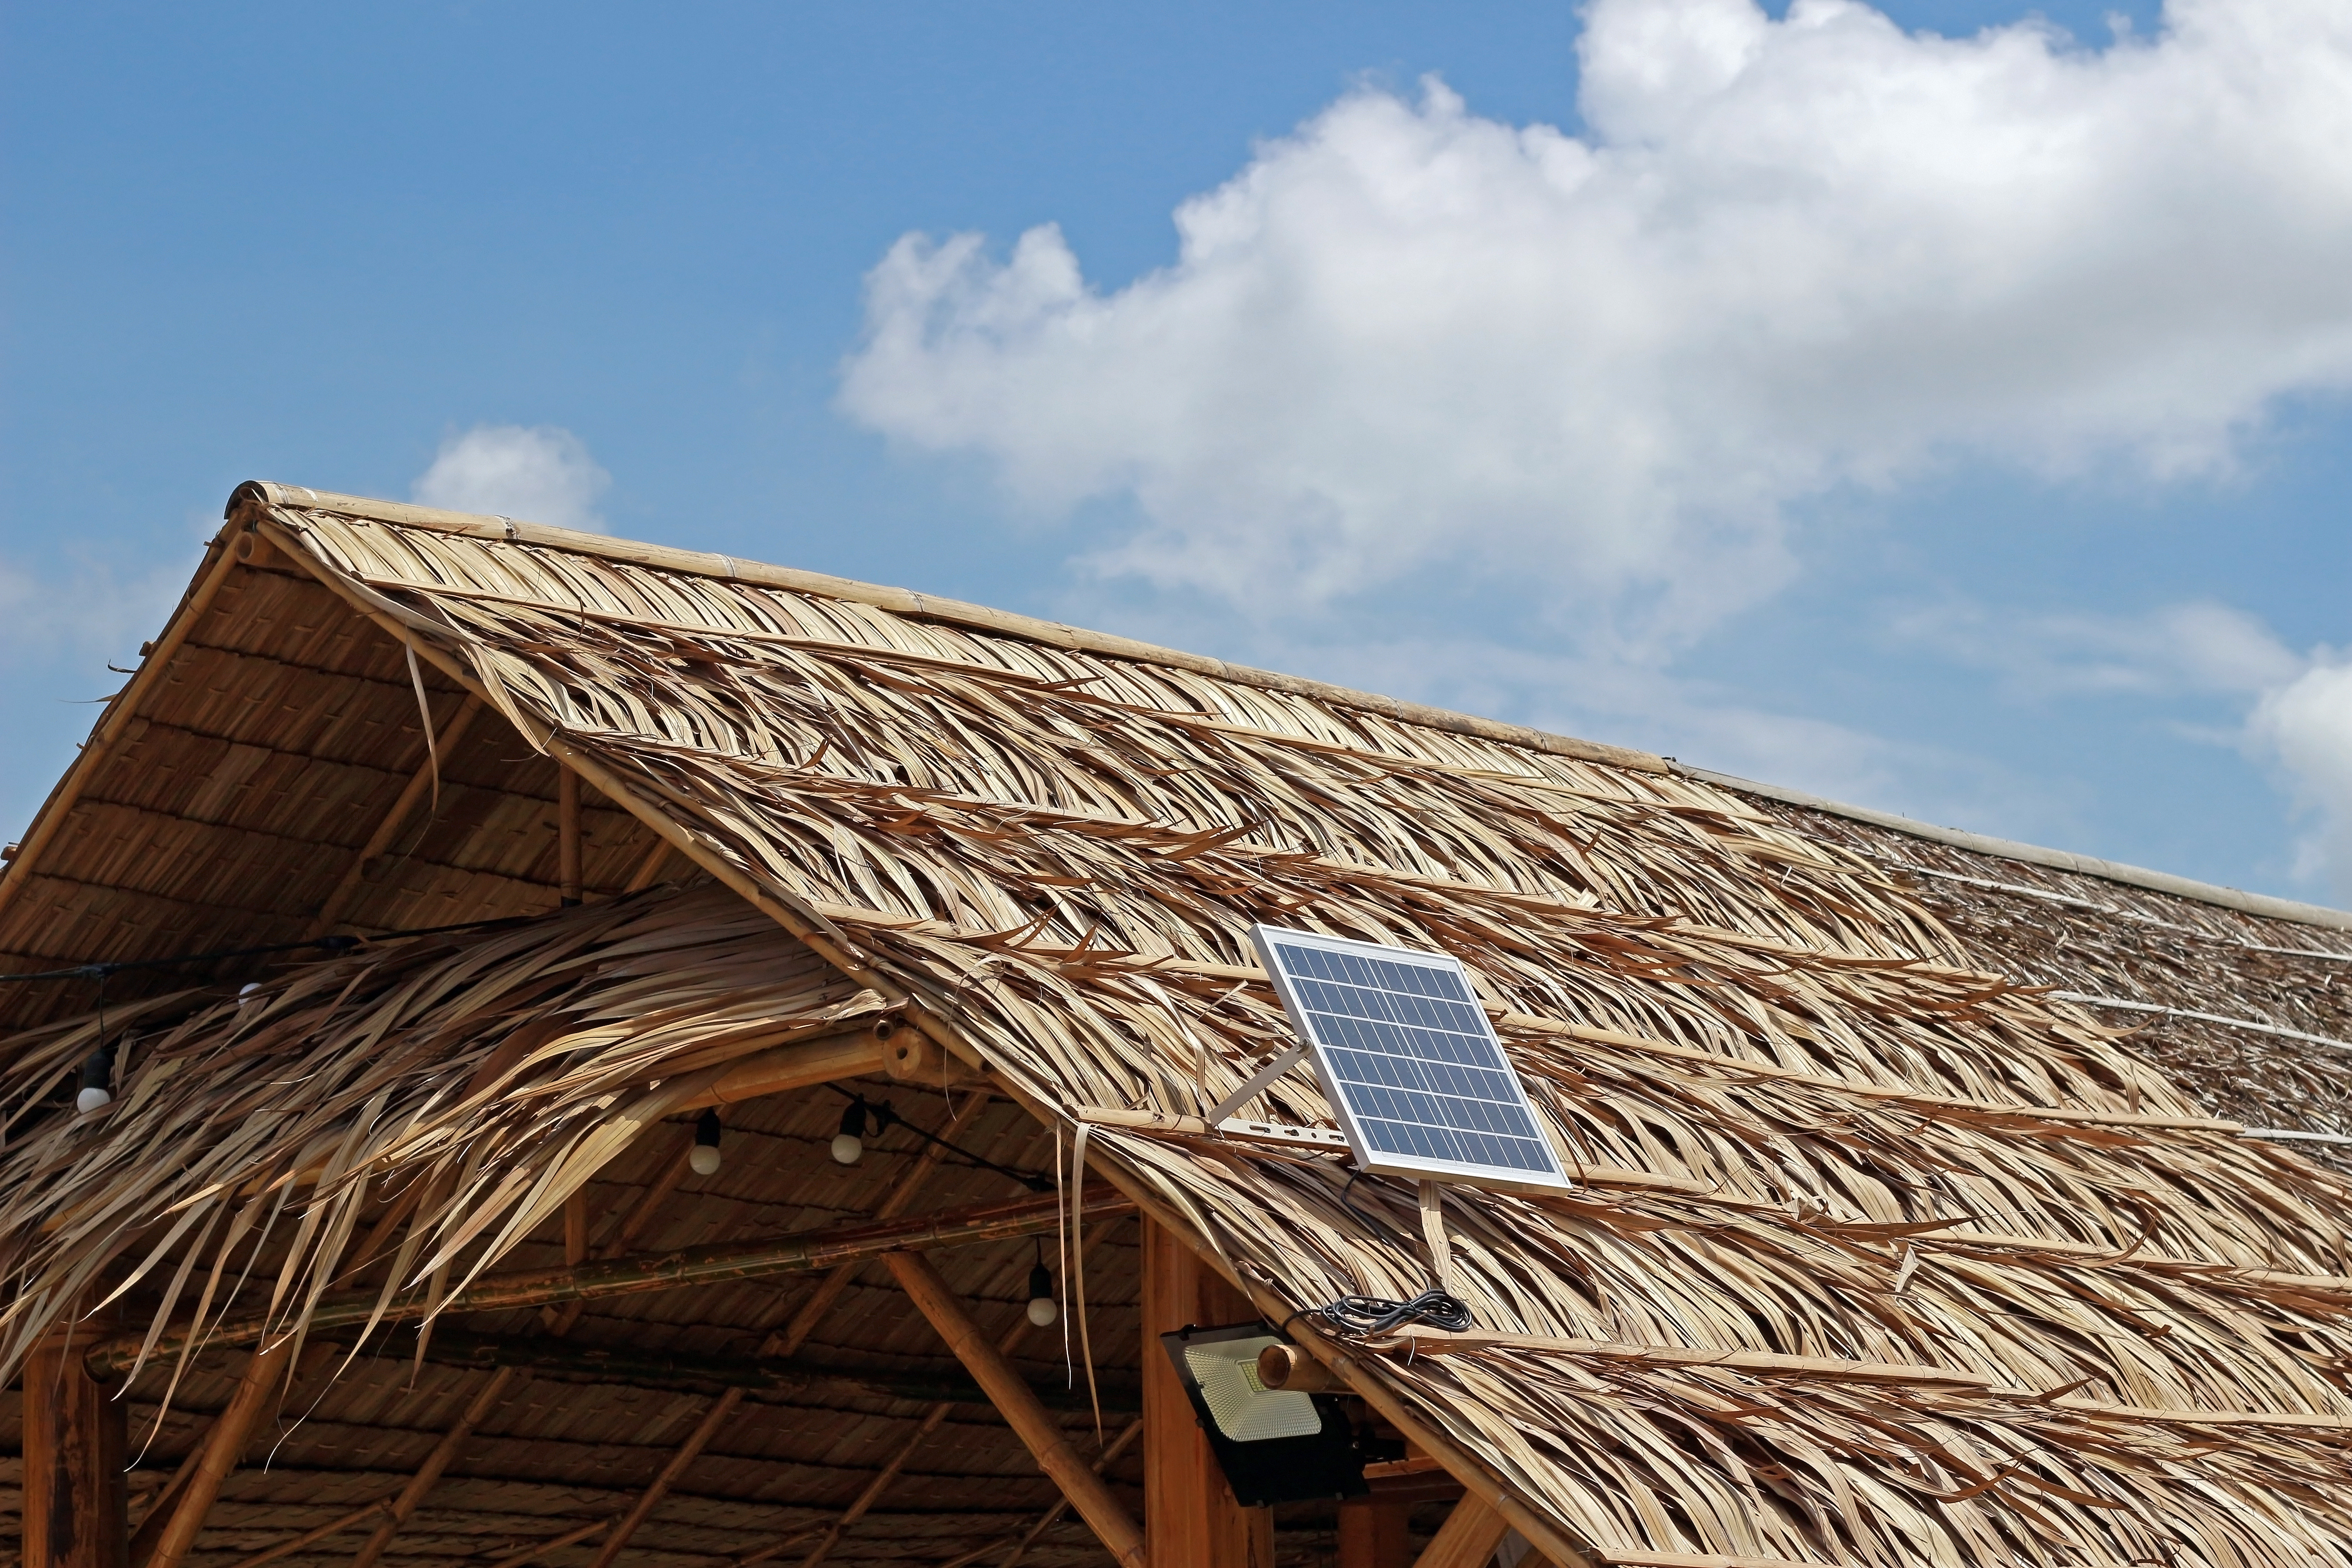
(1880, 1156)
(469, 1082)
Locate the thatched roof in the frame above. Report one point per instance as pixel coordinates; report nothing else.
(1915, 1222)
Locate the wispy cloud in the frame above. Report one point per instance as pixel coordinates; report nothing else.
(2199, 646)
(89, 610)
(533, 473)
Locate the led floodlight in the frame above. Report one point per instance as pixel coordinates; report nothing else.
(1273, 1445)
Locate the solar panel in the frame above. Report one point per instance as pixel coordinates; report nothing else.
(1409, 1061)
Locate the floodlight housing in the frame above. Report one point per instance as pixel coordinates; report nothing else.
(1273, 1446)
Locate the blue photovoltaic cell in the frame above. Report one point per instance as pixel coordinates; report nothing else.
(1411, 1053)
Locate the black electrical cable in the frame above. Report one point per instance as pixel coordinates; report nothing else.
(883, 1117)
(327, 943)
(1370, 1315)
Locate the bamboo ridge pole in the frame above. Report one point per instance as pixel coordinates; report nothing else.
(1087, 1492)
(632, 1273)
(669, 1369)
(927, 606)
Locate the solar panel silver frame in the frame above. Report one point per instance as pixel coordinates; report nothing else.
(1338, 1090)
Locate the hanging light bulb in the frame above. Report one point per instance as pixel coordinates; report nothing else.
(97, 1080)
(1042, 1309)
(705, 1159)
(850, 1142)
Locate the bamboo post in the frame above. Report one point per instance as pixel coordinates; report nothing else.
(567, 834)
(1010, 1394)
(76, 1505)
(1189, 1515)
(1375, 1533)
(224, 1447)
(1467, 1538)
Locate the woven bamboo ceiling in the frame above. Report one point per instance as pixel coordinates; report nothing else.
(1916, 1220)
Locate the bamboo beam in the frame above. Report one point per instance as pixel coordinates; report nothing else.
(764, 1374)
(786, 1343)
(788, 1068)
(224, 1448)
(649, 869)
(567, 835)
(476, 1410)
(312, 1537)
(388, 831)
(635, 1273)
(1467, 1538)
(228, 549)
(1189, 1514)
(552, 1543)
(871, 1493)
(1086, 1492)
(76, 1506)
(1021, 1543)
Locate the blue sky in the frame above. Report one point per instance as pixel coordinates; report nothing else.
(1914, 405)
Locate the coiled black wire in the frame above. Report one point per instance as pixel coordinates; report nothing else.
(1370, 1315)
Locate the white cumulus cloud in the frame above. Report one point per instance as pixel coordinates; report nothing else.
(1784, 256)
(532, 473)
(2304, 725)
